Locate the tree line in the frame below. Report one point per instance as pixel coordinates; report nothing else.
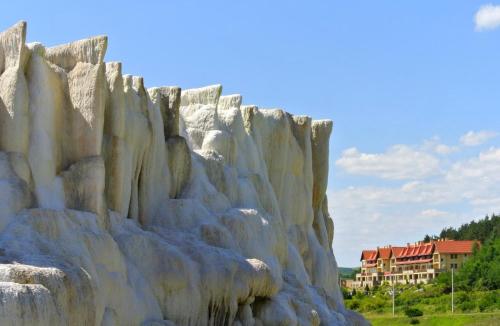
(482, 230)
(482, 270)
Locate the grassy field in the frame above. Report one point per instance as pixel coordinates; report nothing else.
(477, 319)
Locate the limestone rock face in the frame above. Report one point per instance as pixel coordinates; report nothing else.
(14, 97)
(121, 205)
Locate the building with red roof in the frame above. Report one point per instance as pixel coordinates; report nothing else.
(414, 263)
(368, 261)
(450, 254)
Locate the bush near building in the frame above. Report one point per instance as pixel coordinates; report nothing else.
(430, 299)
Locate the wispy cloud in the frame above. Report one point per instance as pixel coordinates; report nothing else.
(434, 145)
(475, 180)
(432, 212)
(487, 17)
(398, 163)
(475, 138)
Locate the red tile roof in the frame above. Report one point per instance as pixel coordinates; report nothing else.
(384, 253)
(369, 255)
(396, 251)
(422, 249)
(455, 246)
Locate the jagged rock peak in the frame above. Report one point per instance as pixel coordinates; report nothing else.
(121, 205)
(90, 50)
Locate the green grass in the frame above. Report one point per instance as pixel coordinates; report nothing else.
(476, 319)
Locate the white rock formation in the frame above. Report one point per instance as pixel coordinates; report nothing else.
(121, 205)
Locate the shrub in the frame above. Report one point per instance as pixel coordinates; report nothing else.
(346, 294)
(467, 306)
(375, 304)
(444, 281)
(487, 301)
(461, 297)
(413, 312)
(354, 305)
(414, 321)
(358, 295)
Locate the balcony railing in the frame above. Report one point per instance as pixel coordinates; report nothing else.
(397, 272)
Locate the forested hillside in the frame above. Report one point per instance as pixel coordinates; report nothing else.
(482, 230)
(482, 270)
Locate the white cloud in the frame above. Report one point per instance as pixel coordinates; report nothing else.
(432, 212)
(487, 17)
(434, 145)
(444, 149)
(398, 163)
(463, 181)
(473, 138)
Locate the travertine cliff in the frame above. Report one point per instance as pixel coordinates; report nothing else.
(121, 205)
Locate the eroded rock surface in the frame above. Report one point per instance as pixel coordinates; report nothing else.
(121, 205)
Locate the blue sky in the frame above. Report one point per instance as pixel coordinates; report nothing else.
(413, 89)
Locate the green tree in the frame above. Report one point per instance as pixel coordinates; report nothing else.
(482, 230)
(482, 270)
(354, 272)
